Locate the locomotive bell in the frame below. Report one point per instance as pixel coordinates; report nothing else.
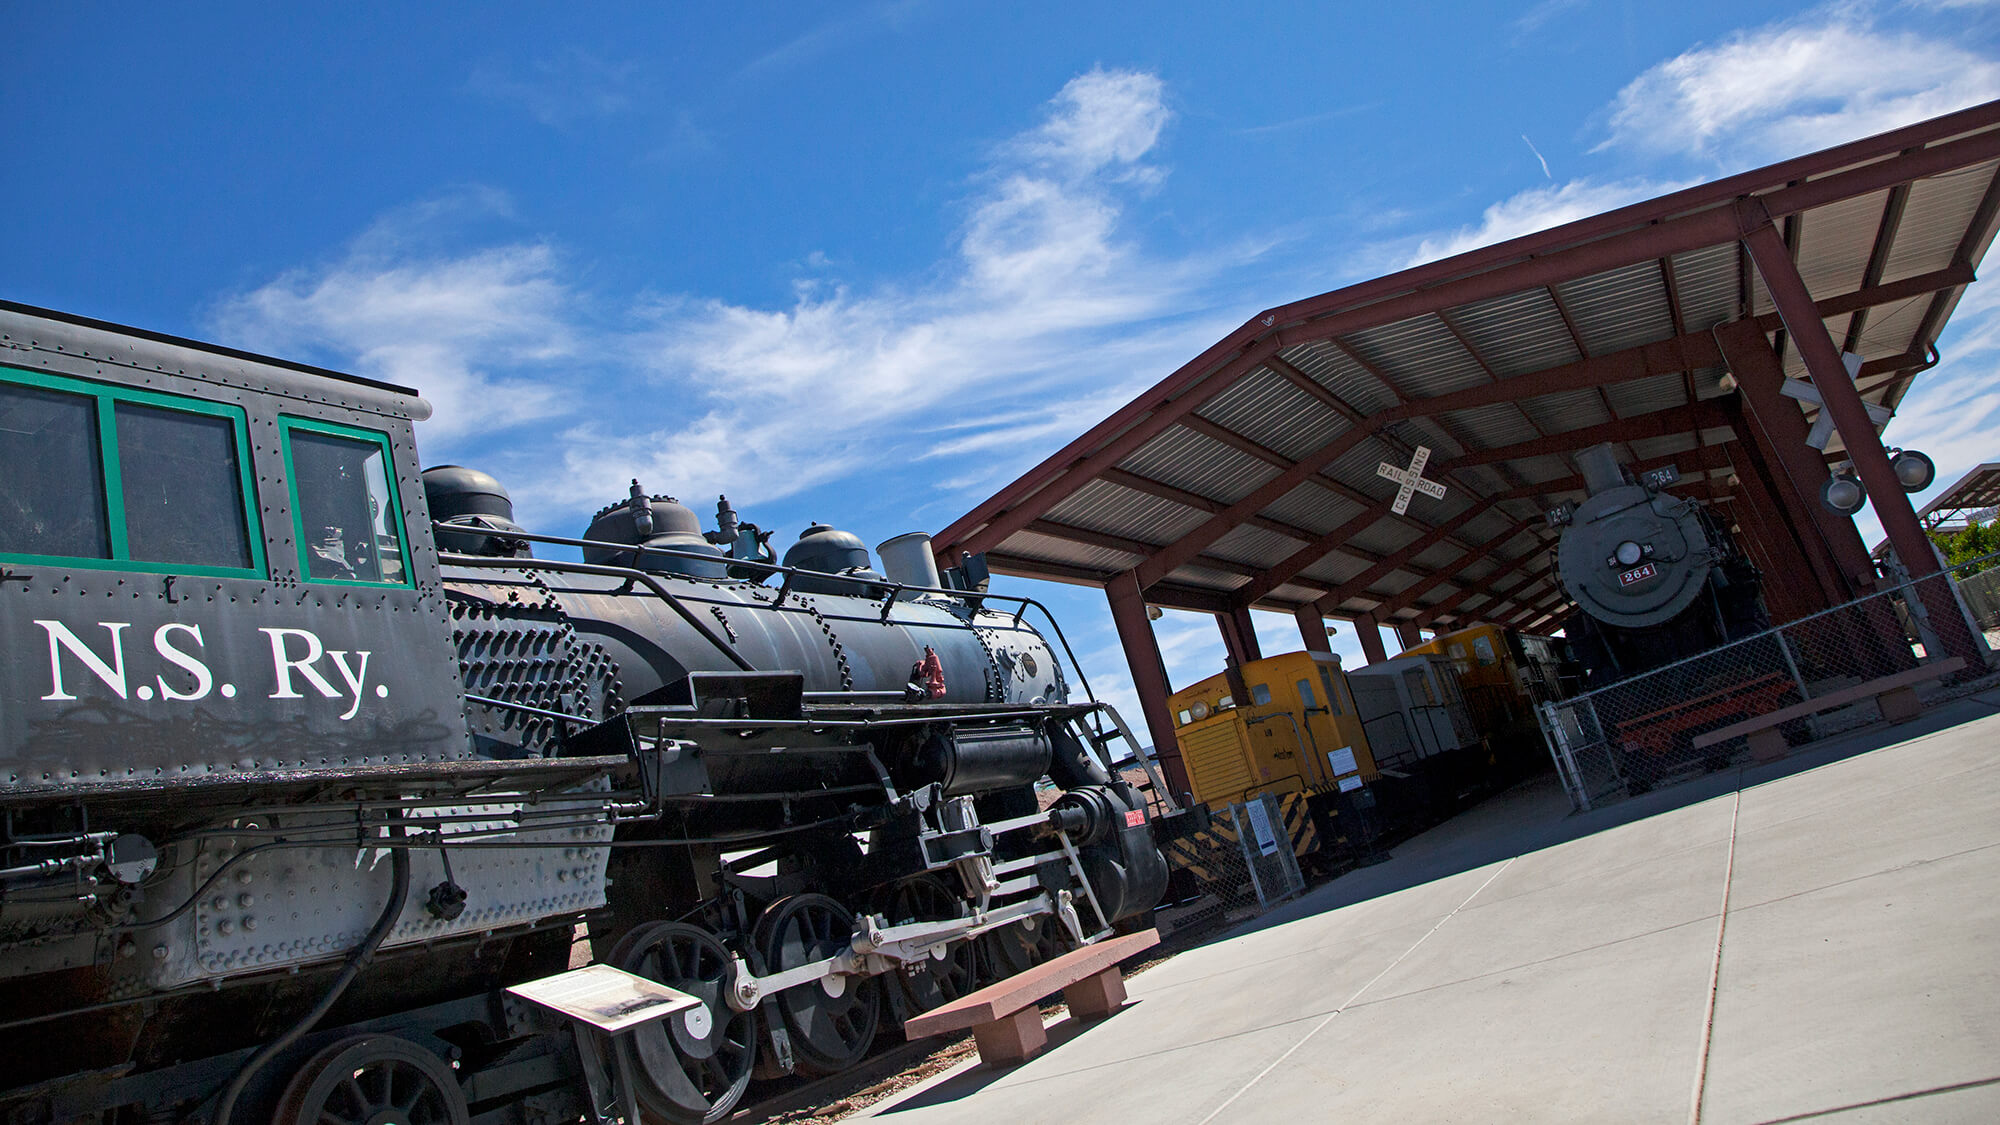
(657, 521)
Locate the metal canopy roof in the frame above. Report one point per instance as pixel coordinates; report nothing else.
(1976, 492)
(1248, 476)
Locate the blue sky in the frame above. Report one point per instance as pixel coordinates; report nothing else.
(865, 263)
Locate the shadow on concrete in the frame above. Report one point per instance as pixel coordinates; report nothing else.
(1536, 814)
(969, 1080)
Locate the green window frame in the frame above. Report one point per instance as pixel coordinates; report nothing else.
(106, 397)
(287, 426)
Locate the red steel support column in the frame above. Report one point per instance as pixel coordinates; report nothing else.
(1239, 644)
(1149, 675)
(1312, 628)
(1777, 432)
(1370, 633)
(1793, 586)
(1409, 635)
(1840, 398)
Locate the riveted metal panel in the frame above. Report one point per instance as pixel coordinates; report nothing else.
(293, 906)
(1269, 410)
(1517, 333)
(1619, 308)
(1198, 463)
(1707, 282)
(1421, 355)
(1935, 220)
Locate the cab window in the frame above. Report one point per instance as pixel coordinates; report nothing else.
(1306, 695)
(124, 479)
(1260, 694)
(345, 513)
(1332, 696)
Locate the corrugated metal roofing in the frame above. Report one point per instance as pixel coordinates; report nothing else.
(1406, 343)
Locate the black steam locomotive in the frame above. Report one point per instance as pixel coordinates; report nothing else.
(299, 786)
(1656, 577)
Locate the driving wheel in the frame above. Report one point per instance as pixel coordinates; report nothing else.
(692, 1066)
(950, 971)
(831, 1022)
(373, 1080)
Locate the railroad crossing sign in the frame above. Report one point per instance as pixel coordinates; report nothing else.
(1411, 480)
(1822, 427)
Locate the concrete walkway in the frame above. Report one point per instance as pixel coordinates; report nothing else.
(1818, 939)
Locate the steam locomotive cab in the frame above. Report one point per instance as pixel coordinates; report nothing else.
(289, 793)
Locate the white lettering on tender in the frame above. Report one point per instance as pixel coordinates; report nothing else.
(283, 665)
(204, 682)
(354, 677)
(60, 638)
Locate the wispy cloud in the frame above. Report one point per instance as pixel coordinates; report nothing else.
(1531, 20)
(561, 88)
(1038, 318)
(1538, 209)
(831, 35)
(393, 308)
(1539, 158)
(1823, 78)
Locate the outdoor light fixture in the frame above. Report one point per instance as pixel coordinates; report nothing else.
(1843, 494)
(1913, 469)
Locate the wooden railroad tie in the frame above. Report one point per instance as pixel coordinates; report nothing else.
(1004, 1017)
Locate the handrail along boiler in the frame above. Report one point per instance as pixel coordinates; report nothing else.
(294, 782)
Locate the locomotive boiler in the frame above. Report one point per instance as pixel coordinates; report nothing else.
(308, 757)
(1656, 577)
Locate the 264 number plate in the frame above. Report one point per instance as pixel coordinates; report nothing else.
(1638, 574)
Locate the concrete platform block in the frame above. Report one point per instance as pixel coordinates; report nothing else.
(1900, 705)
(1094, 998)
(1766, 745)
(1011, 1040)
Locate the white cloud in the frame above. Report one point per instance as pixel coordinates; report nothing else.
(1040, 304)
(1041, 317)
(451, 327)
(1538, 209)
(561, 88)
(1796, 86)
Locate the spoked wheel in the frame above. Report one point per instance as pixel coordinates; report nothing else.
(692, 1066)
(373, 1080)
(831, 1023)
(1025, 944)
(950, 971)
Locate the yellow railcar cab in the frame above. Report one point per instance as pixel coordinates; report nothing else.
(1297, 731)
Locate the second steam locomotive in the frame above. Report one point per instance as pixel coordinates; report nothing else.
(297, 782)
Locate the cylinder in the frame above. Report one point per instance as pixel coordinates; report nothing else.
(907, 559)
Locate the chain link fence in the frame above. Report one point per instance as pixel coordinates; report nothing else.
(1817, 676)
(1241, 865)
